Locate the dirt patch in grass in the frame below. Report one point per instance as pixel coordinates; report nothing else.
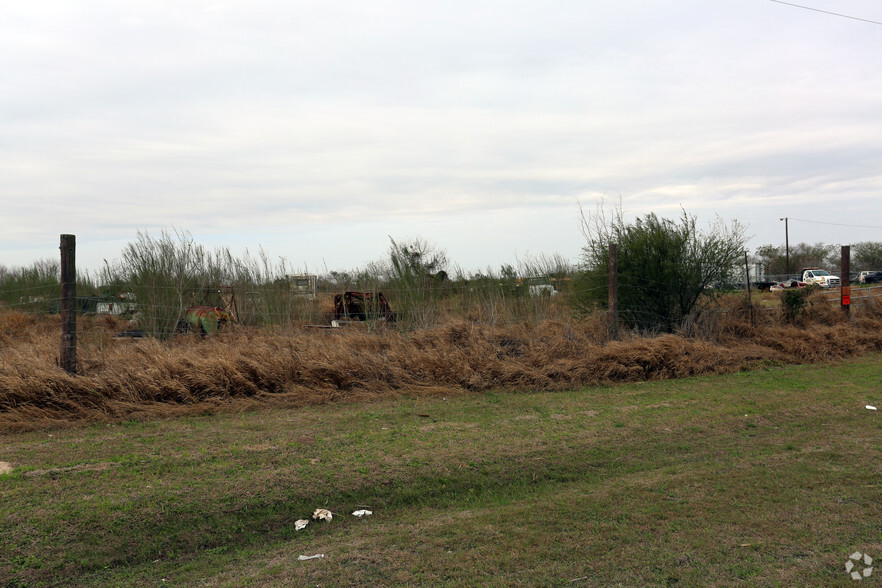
(92, 467)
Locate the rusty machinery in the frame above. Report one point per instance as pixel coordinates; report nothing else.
(361, 306)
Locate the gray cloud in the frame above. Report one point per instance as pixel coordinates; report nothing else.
(477, 124)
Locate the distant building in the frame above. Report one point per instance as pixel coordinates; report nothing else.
(304, 285)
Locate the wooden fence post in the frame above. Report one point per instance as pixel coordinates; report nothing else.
(613, 291)
(845, 284)
(68, 304)
(747, 280)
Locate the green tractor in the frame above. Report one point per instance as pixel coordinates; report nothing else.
(205, 320)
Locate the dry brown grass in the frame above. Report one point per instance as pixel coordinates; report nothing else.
(125, 379)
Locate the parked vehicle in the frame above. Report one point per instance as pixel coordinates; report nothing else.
(870, 277)
(542, 290)
(819, 277)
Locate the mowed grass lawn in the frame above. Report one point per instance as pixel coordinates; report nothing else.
(764, 478)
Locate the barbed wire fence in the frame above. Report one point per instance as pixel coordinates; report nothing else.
(278, 306)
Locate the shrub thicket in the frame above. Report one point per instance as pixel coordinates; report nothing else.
(664, 266)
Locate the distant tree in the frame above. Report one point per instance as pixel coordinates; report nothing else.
(816, 255)
(773, 257)
(866, 255)
(664, 266)
(417, 259)
(418, 270)
(507, 272)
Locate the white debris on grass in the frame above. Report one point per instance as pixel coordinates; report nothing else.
(871, 407)
(305, 557)
(322, 514)
(362, 513)
(300, 524)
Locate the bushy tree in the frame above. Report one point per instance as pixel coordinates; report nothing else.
(774, 257)
(417, 259)
(418, 270)
(664, 265)
(866, 255)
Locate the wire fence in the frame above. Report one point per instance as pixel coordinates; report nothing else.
(272, 307)
(158, 310)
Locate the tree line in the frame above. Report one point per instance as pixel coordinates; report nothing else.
(866, 255)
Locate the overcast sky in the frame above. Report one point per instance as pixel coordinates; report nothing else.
(317, 130)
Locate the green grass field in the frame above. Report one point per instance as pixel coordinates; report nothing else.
(764, 478)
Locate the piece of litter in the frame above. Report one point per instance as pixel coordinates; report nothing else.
(871, 407)
(305, 557)
(300, 524)
(363, 512)
(322, 514)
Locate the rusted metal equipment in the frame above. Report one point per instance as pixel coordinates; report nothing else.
(205, 320)
(362, 306)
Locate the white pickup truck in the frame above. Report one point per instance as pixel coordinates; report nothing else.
(819, 277)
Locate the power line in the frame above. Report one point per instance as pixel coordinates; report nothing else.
(834, 224)
(828, 12)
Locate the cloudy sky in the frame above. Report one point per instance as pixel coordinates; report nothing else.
(317, 130)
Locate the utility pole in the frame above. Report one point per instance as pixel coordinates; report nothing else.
(786, 246)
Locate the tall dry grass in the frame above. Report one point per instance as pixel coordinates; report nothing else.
(148, 378)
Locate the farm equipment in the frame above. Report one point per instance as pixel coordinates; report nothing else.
(205, 320)
(208, 320)
(787, 285)
(361, 306)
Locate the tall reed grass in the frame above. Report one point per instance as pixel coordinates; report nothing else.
(244, 366)
(171, 272)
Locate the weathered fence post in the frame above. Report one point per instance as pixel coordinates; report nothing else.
(747, 280)
(845, 284)
(613, 291)
(68, 304)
